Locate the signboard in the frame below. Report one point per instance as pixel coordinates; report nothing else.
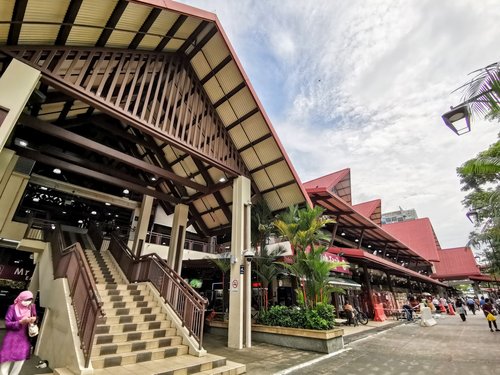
(329, 257)
(234, 285)
(242, 270)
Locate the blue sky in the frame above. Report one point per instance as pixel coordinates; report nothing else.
(362, 84)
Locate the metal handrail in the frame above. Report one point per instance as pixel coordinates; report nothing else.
(188, 305)
(70, 262)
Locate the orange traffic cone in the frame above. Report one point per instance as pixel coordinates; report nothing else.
(450, 309)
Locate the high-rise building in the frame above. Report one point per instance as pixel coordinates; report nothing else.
(399, 215)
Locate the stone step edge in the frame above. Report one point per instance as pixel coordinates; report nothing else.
(231, 368)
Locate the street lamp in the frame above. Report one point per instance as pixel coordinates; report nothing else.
(457, 115)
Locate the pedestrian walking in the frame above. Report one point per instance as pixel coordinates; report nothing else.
(16, 345)
(471, 305)
(488, 313)
(459, 304)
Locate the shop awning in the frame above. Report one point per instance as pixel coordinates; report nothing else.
(343, 283)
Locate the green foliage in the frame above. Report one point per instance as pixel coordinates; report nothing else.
(302, 227)
(319, 318)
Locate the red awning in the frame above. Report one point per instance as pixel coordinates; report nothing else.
(376, 260)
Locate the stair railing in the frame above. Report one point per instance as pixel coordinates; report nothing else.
(70, 263)
(178, 294)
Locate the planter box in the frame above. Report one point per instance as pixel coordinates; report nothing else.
(305, 339)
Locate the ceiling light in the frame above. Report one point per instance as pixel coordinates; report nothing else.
(222, 179)
(342, 234)
(369, 246)
(107, 204)
(93, 213)
(36, 199)
(116, 215)
(56, 171)
(80, 221)
(64, 212)
(20, 142)
(153, 178)
(117, 227)
(43, 188)
(356, 240)
(126, 191)
(163, 243)
(53, 226)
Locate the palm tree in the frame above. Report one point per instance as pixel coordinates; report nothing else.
(482, 92)
(224, 265)
(267, 269)
(302, 227)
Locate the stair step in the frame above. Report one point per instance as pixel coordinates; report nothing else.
(110, 311)
(231, 368)
(181, 365)
(133, 336)
(131, 327)
(123, 292)
(106, 299)
(130, 305)
(125, 319)
(123, 359)
(115, 286)
(134, 346)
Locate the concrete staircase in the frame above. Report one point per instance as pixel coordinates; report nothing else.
(136, 334)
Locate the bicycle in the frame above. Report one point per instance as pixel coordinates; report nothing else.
(360, 317)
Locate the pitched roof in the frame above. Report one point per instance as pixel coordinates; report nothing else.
(418, 235)
(338, 183)
(371, 210)
(456, 263)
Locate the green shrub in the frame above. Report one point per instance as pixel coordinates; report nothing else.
(321, 317)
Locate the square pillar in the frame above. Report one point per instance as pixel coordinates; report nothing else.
(142, 224)
(16, 86)
(240, 323)
(178, 237)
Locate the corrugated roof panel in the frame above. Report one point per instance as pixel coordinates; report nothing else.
(83, 36)
(92, 12)
(229, 77)
(200, 65)
(163, 22)
(216, 174)
(255, 127)
(242, 102)
(6, 11)
(213, 89)
(250, 159)
(132, 19)
(284, 197)
(39, 11)
(216, 50)
(210, 202)
(199, 206)
(95, 12)
(227, 194)
(239, 137)
(280, 173)
(226, 113)
(182, 34)
(120, 39)
(38, 34)
(267, 150)
(262, 180)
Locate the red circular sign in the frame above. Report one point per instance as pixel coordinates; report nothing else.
(235, 284)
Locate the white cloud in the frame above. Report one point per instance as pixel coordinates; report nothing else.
(363, 85)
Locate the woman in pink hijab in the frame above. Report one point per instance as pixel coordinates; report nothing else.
(16, 346)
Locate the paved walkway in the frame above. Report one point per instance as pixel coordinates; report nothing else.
(267, 359)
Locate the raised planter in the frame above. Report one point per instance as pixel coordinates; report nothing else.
(305, 339)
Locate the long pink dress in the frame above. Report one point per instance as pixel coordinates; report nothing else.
(16, 345)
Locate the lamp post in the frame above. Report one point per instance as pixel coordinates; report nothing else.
(486, 83)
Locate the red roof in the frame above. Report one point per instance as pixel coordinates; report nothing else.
(456, 263)
(338, 183)
(371, 210)
(417, 234)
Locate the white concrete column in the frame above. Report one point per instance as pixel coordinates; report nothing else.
(16, 86)
(178, 237)
(142, 224)
(240, 324)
